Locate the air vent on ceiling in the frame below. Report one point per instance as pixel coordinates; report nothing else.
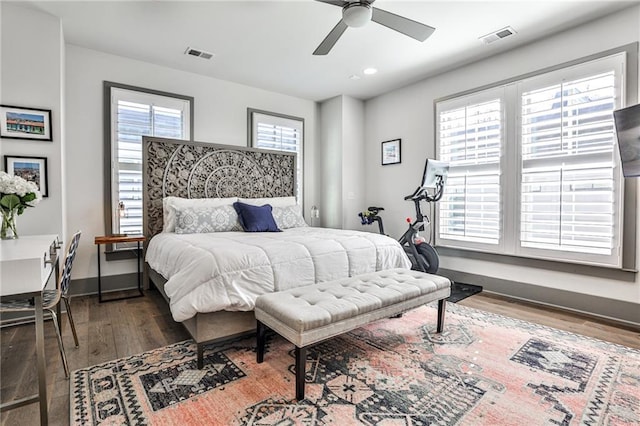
(497, 35)
(198, 53)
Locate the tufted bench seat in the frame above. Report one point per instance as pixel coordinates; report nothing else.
(308, 315)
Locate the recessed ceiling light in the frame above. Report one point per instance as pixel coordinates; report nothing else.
(354, 77)
(370, 71)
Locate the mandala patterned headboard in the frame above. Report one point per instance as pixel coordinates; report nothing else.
(203, 170)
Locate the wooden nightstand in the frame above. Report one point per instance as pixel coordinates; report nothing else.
(114, 239)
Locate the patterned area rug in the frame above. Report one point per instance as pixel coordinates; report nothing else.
(485, 369)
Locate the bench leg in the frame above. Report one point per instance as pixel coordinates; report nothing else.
(261, 331)
(301, 370)
(200, 356)
(441, 310)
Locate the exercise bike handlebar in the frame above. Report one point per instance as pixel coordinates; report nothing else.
(421, 192)
(418, 194)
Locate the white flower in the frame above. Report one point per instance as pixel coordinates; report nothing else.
(22, 188)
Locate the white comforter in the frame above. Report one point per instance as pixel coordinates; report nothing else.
(229, 270)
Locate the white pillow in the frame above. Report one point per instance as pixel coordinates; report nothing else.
(171, 204)
(273, 201)
(288, 217)
(210, 219)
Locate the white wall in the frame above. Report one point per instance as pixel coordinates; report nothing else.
(31, 58)
(408, 113)
(342, 176)
(331, 162)
(220, 117)
(353, 183)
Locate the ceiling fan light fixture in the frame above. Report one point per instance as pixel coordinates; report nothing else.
(357, 14)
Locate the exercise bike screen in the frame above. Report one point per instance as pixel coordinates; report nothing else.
(432, 169)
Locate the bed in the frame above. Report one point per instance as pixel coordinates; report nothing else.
(211, 279)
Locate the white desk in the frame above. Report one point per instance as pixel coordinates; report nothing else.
(26, 265)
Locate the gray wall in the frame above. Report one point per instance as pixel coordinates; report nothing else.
(408, 113)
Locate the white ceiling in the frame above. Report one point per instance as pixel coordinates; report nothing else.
(269, 44)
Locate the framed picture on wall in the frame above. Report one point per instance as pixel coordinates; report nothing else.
(32, 169)
(25, 123)
(391, 152)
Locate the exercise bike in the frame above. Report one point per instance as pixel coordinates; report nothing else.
(422, 255)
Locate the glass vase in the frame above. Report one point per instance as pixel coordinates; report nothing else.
(8, 230)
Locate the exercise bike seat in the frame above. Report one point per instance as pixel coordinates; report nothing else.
(375, 209)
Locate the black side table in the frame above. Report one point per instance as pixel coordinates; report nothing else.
(114, 239)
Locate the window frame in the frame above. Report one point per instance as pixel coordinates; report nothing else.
(299, 155)
(113, 252)
(628, 193)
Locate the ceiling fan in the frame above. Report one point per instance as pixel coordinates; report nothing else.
(359, 13)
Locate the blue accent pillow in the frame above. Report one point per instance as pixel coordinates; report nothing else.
(256, 218)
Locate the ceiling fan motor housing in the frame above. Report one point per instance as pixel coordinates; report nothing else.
(357, 14)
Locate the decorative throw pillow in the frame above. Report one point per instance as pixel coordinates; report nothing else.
(256, 218)
(289, 217)
(171, 205)
(204, 220)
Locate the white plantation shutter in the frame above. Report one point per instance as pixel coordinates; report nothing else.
(282, 133)
(137, 114)
(282, 138)
(569, 180)
(533, 170)
(568, 208)
(470, 140)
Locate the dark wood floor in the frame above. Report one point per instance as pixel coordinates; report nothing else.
(106, 331)
(585, 325)
(117, 329)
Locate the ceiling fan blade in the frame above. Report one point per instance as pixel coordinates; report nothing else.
(340, 3)
(331, 39)
(406, 26)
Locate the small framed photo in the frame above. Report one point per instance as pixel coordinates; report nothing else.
(391, 152)
(32, 169)
(25, 123)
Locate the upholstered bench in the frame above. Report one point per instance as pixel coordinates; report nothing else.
(308, 315)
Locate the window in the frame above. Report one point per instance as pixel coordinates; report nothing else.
(133, 113)
(533, 170)
(471, 140)
(569, 186)
(279, 132)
